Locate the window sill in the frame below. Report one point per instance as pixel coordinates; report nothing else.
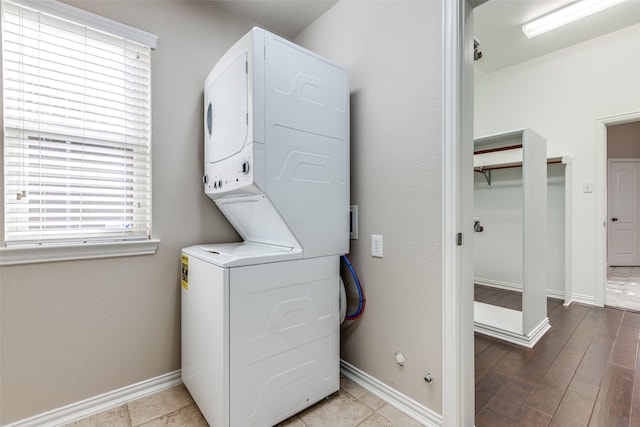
(51, 253)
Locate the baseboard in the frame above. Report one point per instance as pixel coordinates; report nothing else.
(508, 336)
(583, 299)
(403, 403)
(551, 293)
(103, 402)
(497, 284)
(506, 325)
(115, 398)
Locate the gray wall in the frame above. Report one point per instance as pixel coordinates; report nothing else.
(73, 330)
(392, 50)
(623, 141)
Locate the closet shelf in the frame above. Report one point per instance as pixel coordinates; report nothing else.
(496, 149)
(486, 170)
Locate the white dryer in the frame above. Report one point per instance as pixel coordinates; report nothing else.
(260, 322)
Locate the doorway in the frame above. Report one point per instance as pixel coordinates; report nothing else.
(602, 216)
(589, 200)
(622, 288)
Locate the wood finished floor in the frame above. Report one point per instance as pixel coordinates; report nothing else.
(584, 372)
(499, 297)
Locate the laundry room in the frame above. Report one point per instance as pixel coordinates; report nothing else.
(102, 309)
(86, 326)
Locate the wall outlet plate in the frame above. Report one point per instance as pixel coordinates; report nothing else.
(376, 245)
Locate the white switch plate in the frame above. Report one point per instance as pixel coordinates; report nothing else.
(587, 187)
(376, 245)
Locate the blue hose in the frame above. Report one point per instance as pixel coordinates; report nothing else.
(361, 299)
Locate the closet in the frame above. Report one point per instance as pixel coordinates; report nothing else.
(512, 247)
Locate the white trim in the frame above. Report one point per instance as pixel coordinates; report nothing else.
(551, 293)
(82, 17)
(17, 255)
(498, 284)
(103, 402)
(506, 325)
(584, 299)
(513, 338)
(568, 241)
(600, 189)
(401, 402)
(457, 213)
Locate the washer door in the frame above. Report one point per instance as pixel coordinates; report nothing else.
(226, 111)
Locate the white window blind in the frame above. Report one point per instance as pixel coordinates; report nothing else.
(77, 123)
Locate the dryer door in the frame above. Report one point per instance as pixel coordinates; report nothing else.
(226, 110)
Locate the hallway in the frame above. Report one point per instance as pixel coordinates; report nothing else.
(623, 288)
(582, 373)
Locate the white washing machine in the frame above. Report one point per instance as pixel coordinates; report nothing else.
(261, 341)
(260, 322)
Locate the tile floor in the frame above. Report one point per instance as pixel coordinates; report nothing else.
(351, 406)
(623, 288)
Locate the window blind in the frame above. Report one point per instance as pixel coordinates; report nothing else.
(77, 122)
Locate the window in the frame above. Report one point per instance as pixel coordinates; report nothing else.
(77, 127)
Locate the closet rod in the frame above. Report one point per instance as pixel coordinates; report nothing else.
(511, 165)
(493, 150)
(486, 170)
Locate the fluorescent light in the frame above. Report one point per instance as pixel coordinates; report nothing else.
(566, 15)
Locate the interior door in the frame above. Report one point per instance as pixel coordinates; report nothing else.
(623, 238)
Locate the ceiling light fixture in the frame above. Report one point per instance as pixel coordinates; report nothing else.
(566, 15)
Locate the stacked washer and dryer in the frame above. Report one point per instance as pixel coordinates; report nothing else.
(260, 321)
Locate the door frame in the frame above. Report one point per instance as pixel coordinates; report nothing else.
(458, 389)
(600, 187)
(458, 382)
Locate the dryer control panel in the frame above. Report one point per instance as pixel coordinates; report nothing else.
(236, 175)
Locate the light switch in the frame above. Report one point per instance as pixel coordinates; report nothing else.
(376, 245)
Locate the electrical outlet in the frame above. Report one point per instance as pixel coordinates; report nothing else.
(376, 245)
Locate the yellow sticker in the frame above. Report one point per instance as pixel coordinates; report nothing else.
(185, 272)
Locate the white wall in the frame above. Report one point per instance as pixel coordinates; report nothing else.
(392, 50)
(556, 230)
(562, 96)
(74, 330)
(498, 249)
